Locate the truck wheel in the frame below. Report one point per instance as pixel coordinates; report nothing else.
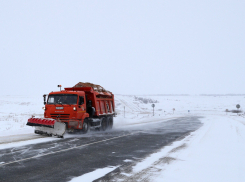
(86, 127)
(103, 124)
(110, 123)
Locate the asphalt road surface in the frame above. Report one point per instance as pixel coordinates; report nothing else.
(63, 159)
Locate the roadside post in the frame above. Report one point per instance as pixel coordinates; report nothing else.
(226, 111)
(237, 106)
(153, 105)
(124, 111)
(173, 110)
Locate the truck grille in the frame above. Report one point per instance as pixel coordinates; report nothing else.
(60, 116)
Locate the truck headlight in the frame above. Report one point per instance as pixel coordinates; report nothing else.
(74, 108)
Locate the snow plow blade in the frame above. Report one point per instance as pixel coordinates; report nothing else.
(47, 126)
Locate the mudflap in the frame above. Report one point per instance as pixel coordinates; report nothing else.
(58, 129)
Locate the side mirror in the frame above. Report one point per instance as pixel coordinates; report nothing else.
(44, 99)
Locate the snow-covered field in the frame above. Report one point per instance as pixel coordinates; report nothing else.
(215, 152)
(15, 110)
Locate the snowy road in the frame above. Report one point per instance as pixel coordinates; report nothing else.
(64, 159)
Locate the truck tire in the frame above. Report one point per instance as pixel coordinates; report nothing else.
(103, 124)
(86, 127)
(110, 122)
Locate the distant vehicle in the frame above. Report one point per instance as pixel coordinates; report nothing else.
(78, 108)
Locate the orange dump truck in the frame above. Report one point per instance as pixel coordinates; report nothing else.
(78, 108)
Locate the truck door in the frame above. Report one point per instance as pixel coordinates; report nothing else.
(81, 107)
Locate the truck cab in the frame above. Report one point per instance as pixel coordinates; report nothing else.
(68, 107)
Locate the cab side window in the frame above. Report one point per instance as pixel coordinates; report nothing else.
(81, 100)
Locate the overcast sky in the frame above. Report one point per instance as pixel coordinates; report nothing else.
(128, 47)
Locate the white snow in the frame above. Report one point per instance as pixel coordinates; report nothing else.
(98, 173)
(127, 160)
(21, 141)
(215, 152)
(15, 111)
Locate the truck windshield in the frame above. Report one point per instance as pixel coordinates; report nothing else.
(62, 99)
